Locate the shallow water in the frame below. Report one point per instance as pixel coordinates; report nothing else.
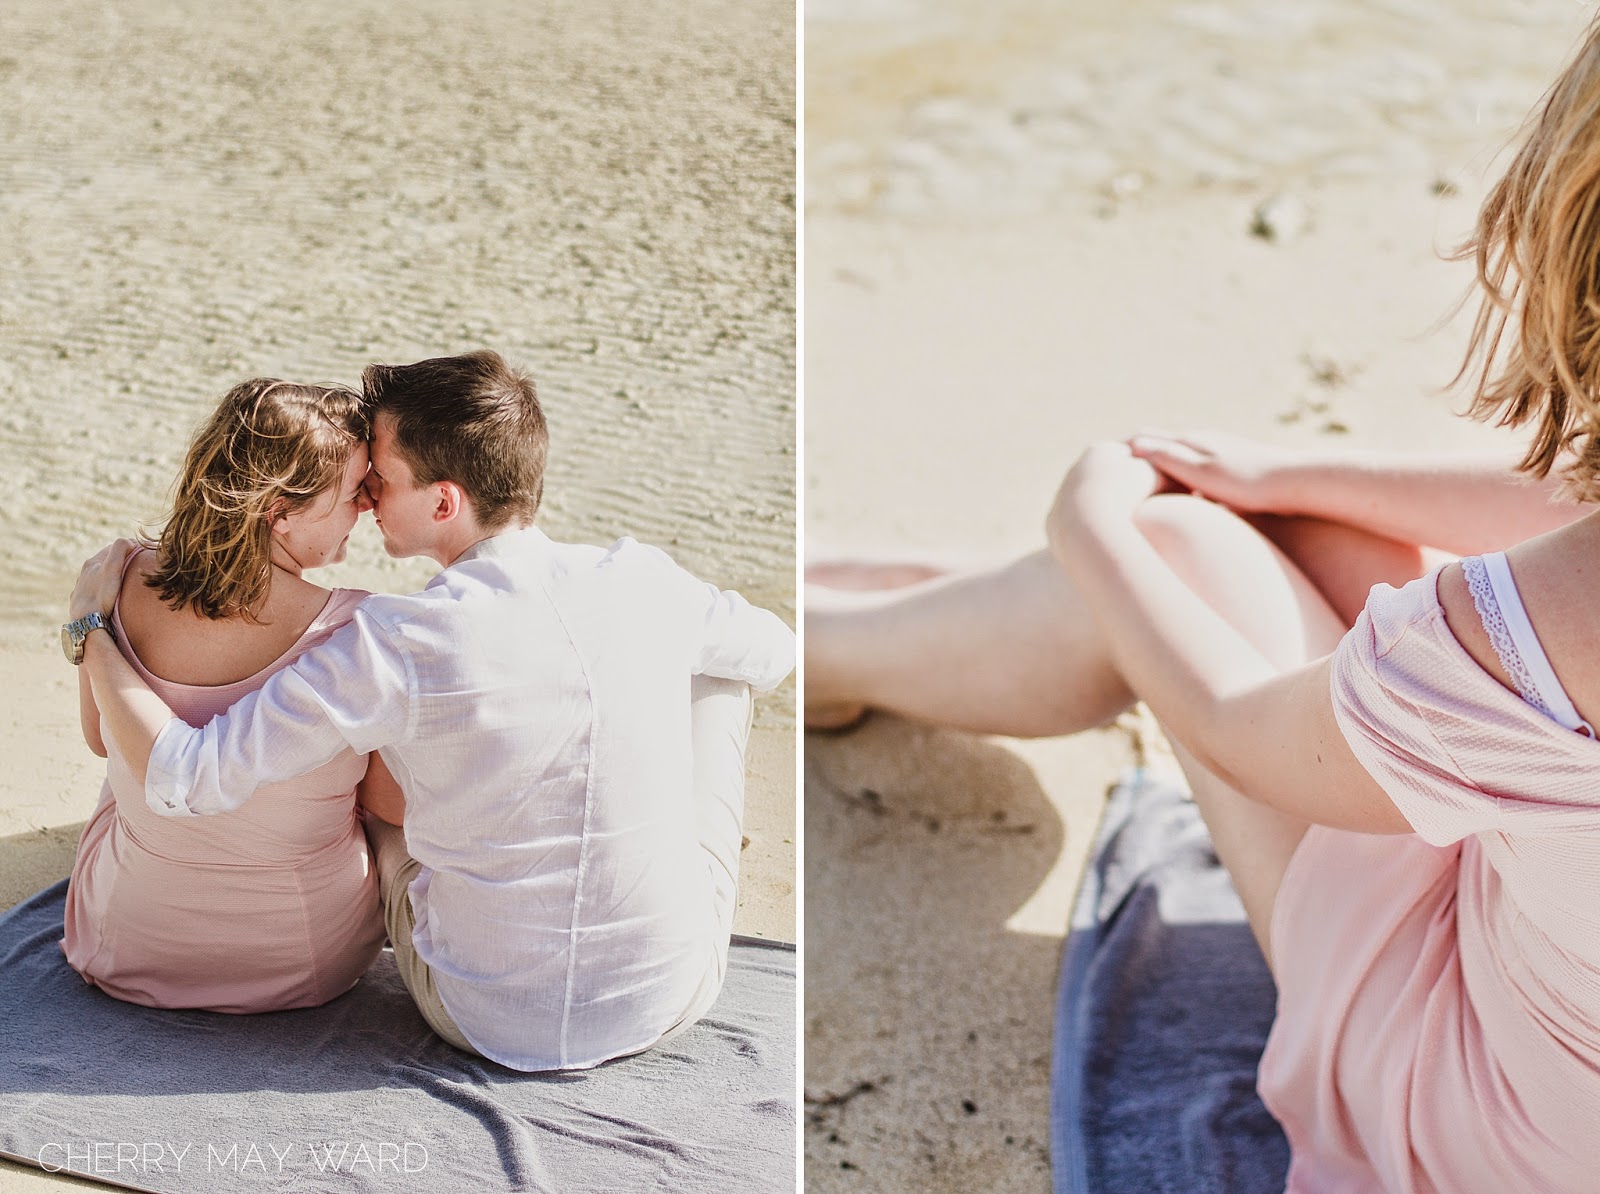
(604, 192)
(933, 108)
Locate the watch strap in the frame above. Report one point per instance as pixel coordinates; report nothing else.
(79, 629)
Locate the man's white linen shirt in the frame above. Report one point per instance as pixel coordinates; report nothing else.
(533, 703)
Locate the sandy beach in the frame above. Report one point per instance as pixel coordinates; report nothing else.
(1029, 226)
(603, 193)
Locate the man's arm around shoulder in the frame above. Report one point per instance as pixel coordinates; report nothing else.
(351, 690)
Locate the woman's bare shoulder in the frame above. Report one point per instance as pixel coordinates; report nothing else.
(1550, 573)
(294, 600)
(186, 647)
(137, 600)
(1555, 578)
(1461, 616)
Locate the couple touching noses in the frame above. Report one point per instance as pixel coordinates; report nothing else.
(559, 728)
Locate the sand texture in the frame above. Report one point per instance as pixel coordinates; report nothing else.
(192, 194)
(1028, 226)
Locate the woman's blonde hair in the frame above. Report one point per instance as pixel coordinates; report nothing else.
(271, 447)
(1537, 252)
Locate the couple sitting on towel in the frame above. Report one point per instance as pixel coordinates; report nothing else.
(546, 744)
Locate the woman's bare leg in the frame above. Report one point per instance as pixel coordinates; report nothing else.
(1250, 581)
(1009, 650)
(874, 575)
(1012, 650)
(1342, 562)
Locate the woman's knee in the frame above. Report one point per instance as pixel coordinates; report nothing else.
(1181, 520)
(1243, 576)
(1206, 544)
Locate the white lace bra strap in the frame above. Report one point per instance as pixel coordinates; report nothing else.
(1505, 620)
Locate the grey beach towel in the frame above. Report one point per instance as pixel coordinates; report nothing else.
(358, 1095)
(1162, 1010)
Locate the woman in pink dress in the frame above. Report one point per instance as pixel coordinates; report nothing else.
(275, 905)
(1404, 786)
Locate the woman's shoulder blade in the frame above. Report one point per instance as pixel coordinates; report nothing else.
(181, 647)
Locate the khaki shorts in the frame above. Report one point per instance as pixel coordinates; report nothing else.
(396, 870)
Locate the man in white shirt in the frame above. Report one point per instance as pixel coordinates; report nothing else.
(569, 884)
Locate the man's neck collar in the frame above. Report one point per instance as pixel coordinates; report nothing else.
(496, 543)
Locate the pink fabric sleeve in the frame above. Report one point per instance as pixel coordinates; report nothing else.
(1393, 740)
(1456, 751)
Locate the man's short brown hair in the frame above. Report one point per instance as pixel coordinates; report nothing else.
(470, 419)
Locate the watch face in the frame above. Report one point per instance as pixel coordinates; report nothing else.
(71, 645)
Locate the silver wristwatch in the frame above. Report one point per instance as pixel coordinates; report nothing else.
(73, 635)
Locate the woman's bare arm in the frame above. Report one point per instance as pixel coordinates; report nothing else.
(1462, 504)
(1270, 735)
(133, 714)
(380, 794)
(89, 714)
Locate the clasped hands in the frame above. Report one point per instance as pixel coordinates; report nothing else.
(1113, 477)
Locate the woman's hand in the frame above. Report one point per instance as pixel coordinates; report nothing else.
(100, 580)
(1233, 471)
(1107, 483)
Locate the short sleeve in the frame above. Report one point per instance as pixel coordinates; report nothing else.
(1456, 752)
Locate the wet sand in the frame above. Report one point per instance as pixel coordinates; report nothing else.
(602, 192)
(1028, 227)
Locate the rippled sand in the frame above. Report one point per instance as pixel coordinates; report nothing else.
(602, 192)
(928, 107)
(1028, 226)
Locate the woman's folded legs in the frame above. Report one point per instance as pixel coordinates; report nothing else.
(1012, 649)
